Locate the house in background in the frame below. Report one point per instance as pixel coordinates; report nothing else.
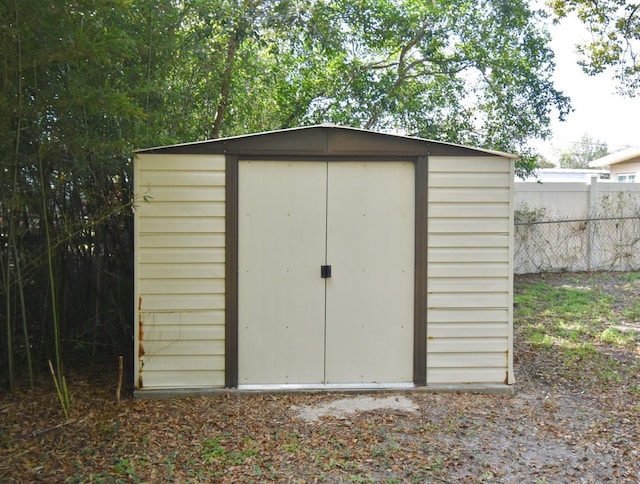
(544, 175)
(624, 165)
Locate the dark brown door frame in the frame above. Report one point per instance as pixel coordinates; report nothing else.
(231, 260)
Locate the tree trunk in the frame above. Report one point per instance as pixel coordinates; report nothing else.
(225, 88)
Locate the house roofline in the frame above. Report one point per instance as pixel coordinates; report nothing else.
(617, 157)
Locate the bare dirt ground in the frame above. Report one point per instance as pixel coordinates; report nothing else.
(562, 424)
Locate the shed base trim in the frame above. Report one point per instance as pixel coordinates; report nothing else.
(487, 389)
(328, 386)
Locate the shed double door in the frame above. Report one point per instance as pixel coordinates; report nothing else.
(296, 327)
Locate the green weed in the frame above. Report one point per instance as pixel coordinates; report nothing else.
(357, 478)
(632, 312)
(293, 443)
(609, 376)
(435, 466)
(616, 337)
(212, 449)
(126, 467)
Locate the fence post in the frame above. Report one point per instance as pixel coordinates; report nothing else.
(591, 214)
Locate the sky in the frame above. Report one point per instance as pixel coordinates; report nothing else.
(598, 110)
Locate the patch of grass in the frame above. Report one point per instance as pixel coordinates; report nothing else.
(426, 472)
(292, 443)
(214, 452)
(124, 466)
(435, 466)
(632, 312)
(578, 320)
(581, 351)
(564, 311)
(541, 339)
(609, 375)
(616, 337)
(629, 276)
(212, 449)
(357, 478)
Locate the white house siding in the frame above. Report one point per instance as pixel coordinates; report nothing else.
(469, 281)
(179, 286)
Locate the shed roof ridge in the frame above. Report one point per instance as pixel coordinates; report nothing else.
(325, 126)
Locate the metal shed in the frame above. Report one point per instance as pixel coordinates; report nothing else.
(322, 257)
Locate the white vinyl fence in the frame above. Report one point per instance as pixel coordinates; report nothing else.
(576, 226)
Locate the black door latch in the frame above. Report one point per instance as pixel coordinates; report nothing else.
(325, 271)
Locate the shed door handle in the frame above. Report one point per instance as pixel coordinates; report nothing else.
(325, 272)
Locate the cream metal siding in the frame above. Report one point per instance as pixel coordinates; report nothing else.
(179, 261)
(469, 282)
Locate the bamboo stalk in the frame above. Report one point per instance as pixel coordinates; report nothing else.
(119, 388)
(10, 367)
(23, 311)
(61, 390)
(58, 377)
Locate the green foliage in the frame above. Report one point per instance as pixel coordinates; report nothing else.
(212, 449)
(75, 92)
(213, 452)
(465, 72)
(615, 38)
(125, 467)
(586, 150)
(543, 162)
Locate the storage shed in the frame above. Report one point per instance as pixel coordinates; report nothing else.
(322, 257)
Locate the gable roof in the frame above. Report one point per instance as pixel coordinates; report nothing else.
(323, 140)
(629, 154)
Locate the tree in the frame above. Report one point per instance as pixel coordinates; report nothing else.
(76, 89)
(615, 31)
(582, 152)
(543, 162)
(474, 72)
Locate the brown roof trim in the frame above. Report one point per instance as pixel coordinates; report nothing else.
(323, 140)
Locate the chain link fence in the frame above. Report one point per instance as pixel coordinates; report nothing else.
(590, 244)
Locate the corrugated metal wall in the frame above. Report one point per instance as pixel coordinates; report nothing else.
(180, 286)
(470, 283)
